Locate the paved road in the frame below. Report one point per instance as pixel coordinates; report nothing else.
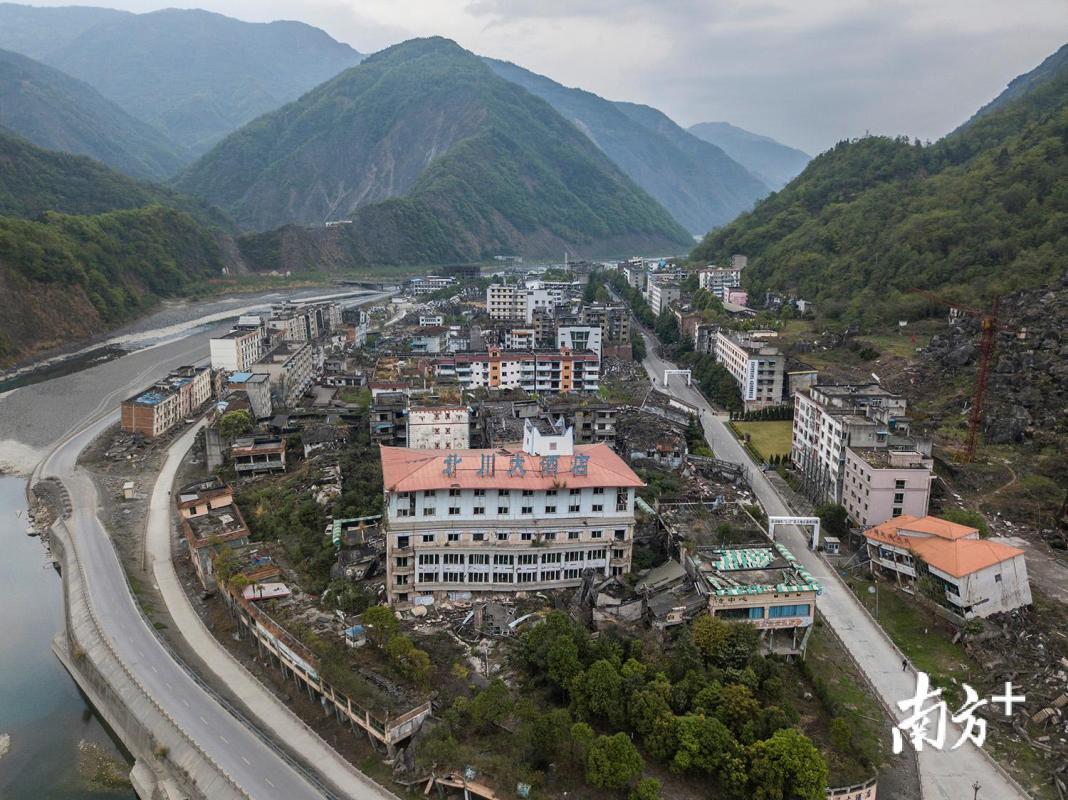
(269, 711)
(240, 752)
(944, 775)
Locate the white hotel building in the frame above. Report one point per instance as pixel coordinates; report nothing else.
(757, 367)
(514, 518)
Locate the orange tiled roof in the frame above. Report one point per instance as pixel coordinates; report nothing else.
(408, 470)
(954, 556)
(932, 526)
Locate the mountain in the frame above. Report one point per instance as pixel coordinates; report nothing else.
(774, 163)
(435, 158)
(1048, 70)
(697, 182)
(34, 181)
(83, 248)
(193, 74)
(982, 211)
(57, 112)
(36, 32)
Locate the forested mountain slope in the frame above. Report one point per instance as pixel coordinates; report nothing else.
(57, 112)
(194, 74)
(435, 159)
(983, 210)
(697, 182)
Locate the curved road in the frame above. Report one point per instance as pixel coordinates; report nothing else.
(944, 775)
(241, 753)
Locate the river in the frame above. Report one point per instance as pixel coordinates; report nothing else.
(51, 727)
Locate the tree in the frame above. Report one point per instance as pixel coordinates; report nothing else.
(600, 691)
(582, 737)
(637, 346)
(490, 706)
(711, 635)
(834, 519)
(785, 767)
(646, 705)
(738, 710)
(563, 662)
(380, 623)
(662, 740)
(973, 519)
(546, 734)
(706, 746)
(647, 789)
(613, 762)
(235, 423)
(408, 659)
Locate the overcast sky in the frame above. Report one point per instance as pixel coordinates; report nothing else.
(806, 72)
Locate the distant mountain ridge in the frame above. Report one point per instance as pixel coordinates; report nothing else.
(193, 74)
(982, 211)
(435, 159)
(771, 161)
(58, 112)
(697, 182)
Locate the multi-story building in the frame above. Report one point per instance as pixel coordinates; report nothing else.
(977, 577)
(429, 284)
(663, 290)
(533, 518)
(255, 454)
(558, 292)
(505, 301)
(635, 273)
(614, 321)
(592, 420)
(543, 372)
(292, 371)
(431, 320)
(720, 280)
(439, 427)
(256, 386)
(208, 519)
(155, 410)
(757, 367)
(579, 337)
(830, 418)
(763, 585)
(431, 340)
(880, 484)
(304, 322)
(237, 350)
(521, 338)
(389, 419)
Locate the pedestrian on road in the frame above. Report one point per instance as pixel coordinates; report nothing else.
(904, 664)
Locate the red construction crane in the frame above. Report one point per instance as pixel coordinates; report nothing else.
(988, 339)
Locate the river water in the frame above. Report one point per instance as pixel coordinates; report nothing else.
(51, 727)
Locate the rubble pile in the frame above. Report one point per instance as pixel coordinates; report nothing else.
(1030, 648)
(1030, 368)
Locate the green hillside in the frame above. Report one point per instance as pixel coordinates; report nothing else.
(83, 248)
(697, 182)
(57, 112)
(191, 73)
(34, 180)
(435, 159)
(983, 210)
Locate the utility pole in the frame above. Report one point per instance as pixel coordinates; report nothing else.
(975, 788)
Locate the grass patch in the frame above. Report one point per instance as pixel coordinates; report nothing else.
(768, 438)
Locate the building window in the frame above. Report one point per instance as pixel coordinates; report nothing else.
(502, 537)
(551, 558)
(428, 558)
(428, 512)
(453, 558)
(573, 509)
(599, 490)
(502, 510)
(896, 512)
(527, 577)
(997, 578)
(621, 499)
(550, 509)
(430, 493)
(550, 536)
(428, 538)
(526, 537)
(478, 577)
(503, 492)
(454, 537)
(575, 492)
(621, 534)
(452, 577)
(550, 493)
(551, 575)
(478, 537)
(527, 559)
(595, 534)
(402, 561)
(899, 497)
(527, 510)
(572, 574)
(502, 577)
(899, 484)
(402, 580)
(778, 612)
(478, 510)
(454, 492)
(480, 492)
(597, 507)
(572, 535)
(528, 493)
(478, 558)
(403, 542)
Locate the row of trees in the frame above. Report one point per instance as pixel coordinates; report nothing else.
(779, 412)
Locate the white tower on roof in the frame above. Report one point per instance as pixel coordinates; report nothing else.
(549, 438)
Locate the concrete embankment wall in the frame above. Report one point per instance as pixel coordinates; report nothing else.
(167, 762)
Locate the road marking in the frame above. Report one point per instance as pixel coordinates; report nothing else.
(154, 668)
(186, 702)
(204, 720)
(249, 763)
(269, 782)
(165, 683)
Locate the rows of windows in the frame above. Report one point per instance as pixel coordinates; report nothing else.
(449, 576)
(403, 540)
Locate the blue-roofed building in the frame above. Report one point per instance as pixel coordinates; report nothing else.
(156, 409)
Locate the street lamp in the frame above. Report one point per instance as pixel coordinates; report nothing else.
(976, 787)
(874, 589)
